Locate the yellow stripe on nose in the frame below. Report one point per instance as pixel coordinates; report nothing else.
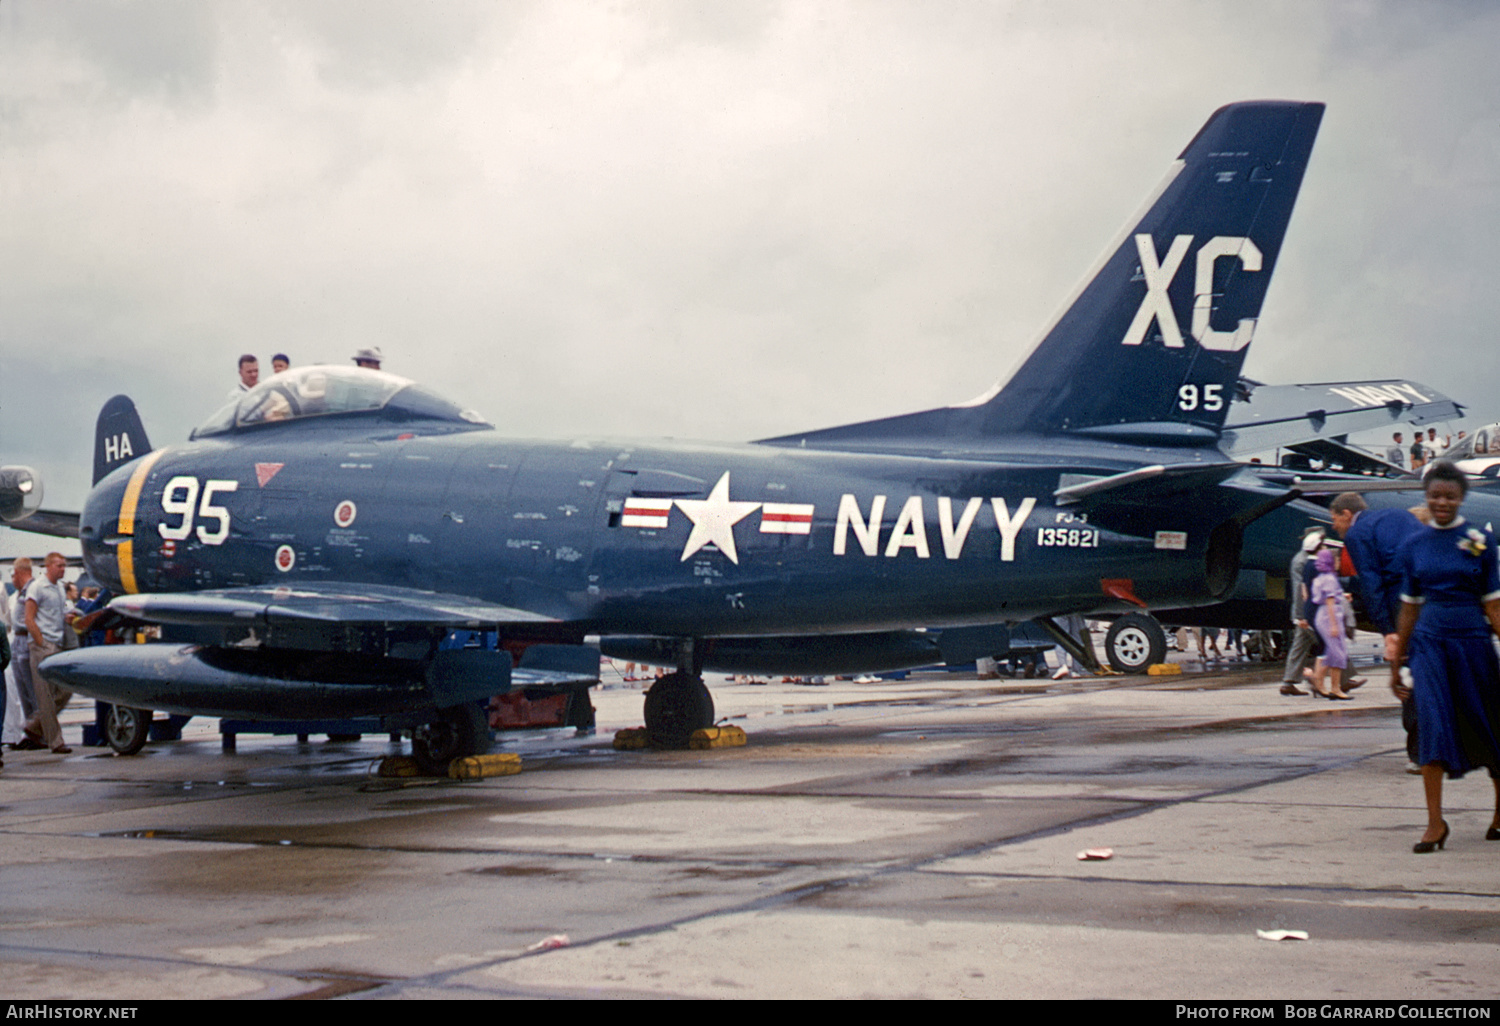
(125, 552)
(133, 490)
(125, 556)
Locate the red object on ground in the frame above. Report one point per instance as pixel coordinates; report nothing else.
(515, 711)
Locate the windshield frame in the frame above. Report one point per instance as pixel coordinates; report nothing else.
(319, 391)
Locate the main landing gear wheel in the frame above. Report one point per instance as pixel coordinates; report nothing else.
(677, 705)
(459, 731)
(126, 730)
(1134, 642)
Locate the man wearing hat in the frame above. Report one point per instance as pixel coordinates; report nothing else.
(1302, 641)
(369, 357)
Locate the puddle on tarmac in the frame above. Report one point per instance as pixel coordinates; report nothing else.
(526, 872)
(727, 872)
(1337, 718)
(962, 767)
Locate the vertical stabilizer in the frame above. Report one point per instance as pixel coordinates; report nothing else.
(1151, 344)
(119, 436)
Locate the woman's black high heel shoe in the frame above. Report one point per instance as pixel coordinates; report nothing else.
(1492, 834)
(1423, 847)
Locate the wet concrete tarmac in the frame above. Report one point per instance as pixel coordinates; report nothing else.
(884, 840)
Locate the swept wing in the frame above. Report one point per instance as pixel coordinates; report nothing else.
(308, 604)
(1275, 416)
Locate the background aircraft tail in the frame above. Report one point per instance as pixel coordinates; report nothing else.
(1150, 346)
(119, 436)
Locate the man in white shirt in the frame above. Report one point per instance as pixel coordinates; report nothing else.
(249, 377)
(4, 663)
(46, 620)
(20, 650)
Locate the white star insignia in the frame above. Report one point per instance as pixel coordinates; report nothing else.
(714, 519)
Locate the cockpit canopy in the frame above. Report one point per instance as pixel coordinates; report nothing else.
(323, 391)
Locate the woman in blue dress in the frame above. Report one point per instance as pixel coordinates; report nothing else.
(1450, 607)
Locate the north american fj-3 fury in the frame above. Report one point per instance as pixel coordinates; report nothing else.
(333, 524)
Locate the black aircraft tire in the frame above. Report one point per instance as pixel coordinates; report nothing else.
(126, 730)
(458, 732)
(1134, 642)
(677, 705)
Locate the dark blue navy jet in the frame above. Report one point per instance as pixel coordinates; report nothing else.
(330, 527)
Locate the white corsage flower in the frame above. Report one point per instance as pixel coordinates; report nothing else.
(1473, 542)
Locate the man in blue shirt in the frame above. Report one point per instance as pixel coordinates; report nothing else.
(1374, 538)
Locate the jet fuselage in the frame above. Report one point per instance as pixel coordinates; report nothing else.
(618, 537)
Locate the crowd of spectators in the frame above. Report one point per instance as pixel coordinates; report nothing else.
(40, 614)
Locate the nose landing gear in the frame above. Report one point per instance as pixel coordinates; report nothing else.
(126, 729)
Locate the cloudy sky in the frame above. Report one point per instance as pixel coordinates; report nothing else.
(722, 219)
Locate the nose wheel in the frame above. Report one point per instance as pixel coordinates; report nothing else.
(126, 729)
(677, 705)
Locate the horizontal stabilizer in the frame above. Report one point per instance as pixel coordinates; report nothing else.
(1276, 416)
(1154, 483)
(311, 604)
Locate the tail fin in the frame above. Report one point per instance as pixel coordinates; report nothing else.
(1150, 346)
(119, 436)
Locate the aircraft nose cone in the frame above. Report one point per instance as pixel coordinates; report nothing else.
(99, 532)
